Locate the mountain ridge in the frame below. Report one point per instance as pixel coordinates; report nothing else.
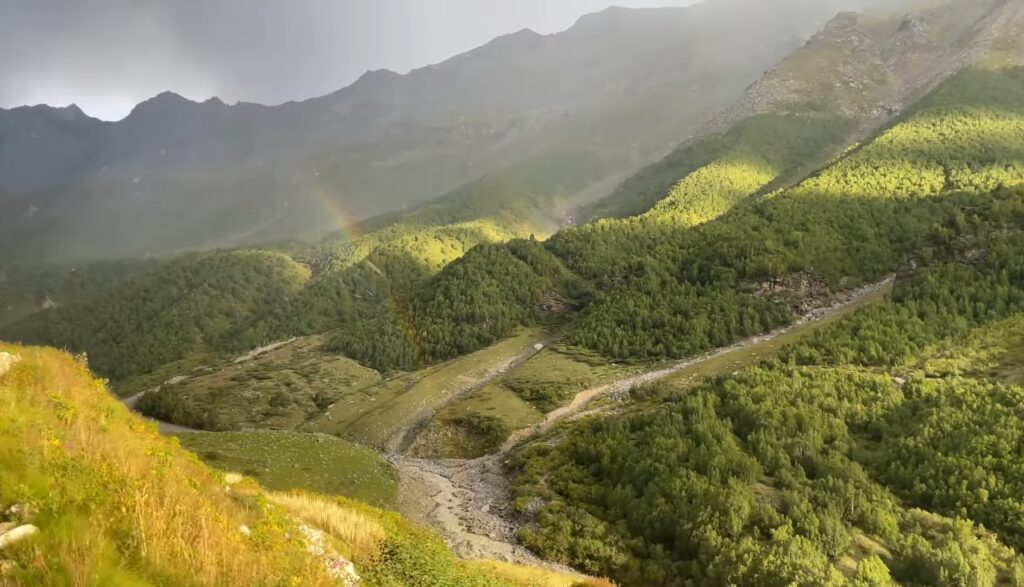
(626, 86)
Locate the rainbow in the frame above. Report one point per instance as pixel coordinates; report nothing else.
(351, 230)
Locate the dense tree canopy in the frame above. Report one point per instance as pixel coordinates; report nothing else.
(778, 475)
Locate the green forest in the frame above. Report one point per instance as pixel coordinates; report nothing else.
(843, 462)
(467, 270)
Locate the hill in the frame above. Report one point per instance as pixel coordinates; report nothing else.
(243, 299)
(177, 175)
(115, 504)
(699, 270)
(881, 448)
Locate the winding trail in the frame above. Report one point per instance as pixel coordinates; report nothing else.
(469, 501)
(165, 428)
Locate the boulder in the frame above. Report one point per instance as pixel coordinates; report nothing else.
(17, 535)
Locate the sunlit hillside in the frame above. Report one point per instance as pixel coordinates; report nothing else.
(115, 503)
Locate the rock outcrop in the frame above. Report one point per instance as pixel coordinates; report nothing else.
(17, 535)
(869, 66)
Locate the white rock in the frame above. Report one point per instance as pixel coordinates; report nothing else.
(17, 512)
(245, 530)
(17, 535)
(7, 361)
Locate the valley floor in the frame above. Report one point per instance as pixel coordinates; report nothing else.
(469, 501)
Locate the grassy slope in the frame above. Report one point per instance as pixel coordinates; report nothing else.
(279, 390)
(702, 179)
(373, 415)
(964, 137)
(284, 461)
(478, 423)
(117, 504)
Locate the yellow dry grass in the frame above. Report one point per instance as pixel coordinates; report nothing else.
(360, 533)
(117, 503)
(535, 577)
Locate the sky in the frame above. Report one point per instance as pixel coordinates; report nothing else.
(108, 55)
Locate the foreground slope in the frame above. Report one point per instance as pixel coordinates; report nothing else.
(117, 504)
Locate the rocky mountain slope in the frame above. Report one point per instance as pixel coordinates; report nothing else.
(857, 74)
(620, 85)
(869, 66)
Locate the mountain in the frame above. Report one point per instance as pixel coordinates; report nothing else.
(850, 79)
(206, 304)
(40, 146)
(177, 174)
(402, 295)
(801, 432)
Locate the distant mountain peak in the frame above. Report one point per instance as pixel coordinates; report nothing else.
(378, 75)
(524, 33)
(171, 104)
(168, 97)
(74, 109)
(162, 102)
(522, 36)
